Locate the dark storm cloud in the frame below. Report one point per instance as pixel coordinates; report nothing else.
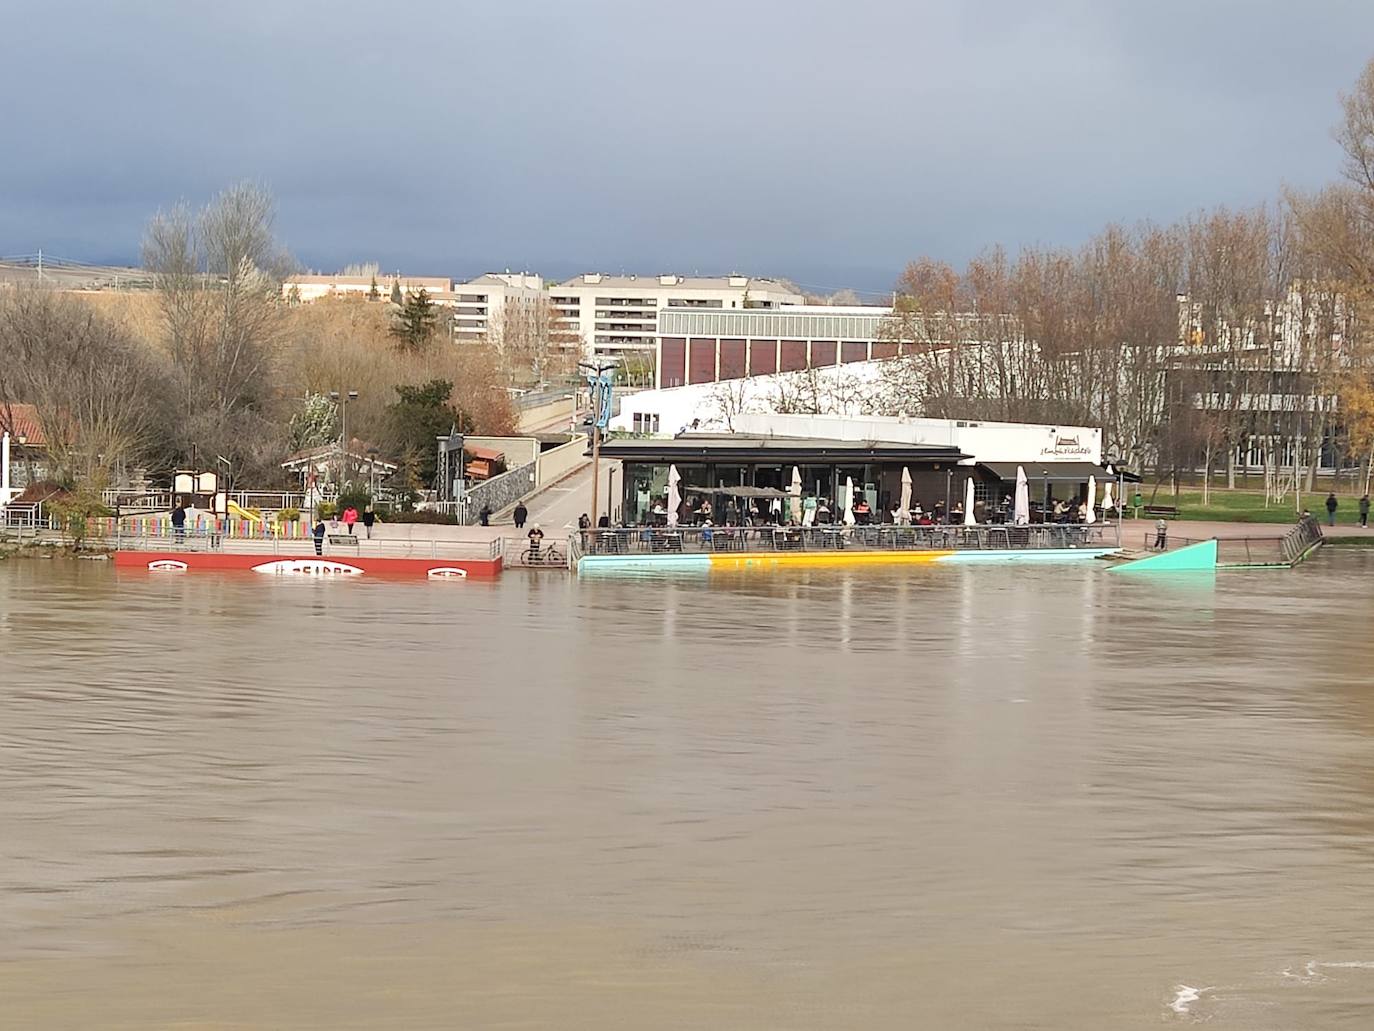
(827, 141)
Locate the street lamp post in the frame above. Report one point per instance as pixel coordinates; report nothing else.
(228, 480)
(342, 398)
(601, 404)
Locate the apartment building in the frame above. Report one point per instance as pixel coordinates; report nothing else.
(480, 304)
(618, 315)
(306, 288)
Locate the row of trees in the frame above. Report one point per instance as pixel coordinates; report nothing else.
(1230, 329)
(215, 363)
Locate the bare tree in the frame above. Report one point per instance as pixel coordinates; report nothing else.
(217, 272)
(534, 339)
(99, 396)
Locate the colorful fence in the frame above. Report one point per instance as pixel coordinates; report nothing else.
(235, 529)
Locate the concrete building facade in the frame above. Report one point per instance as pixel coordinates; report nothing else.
(703, 346)
(615, 315)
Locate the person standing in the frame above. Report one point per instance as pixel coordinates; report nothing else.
(350, 516)
(1331, 505)
(584, 522)
(484, 516)
(1161, 534)
(520, 514)
(317, 532)
(536, 537)
(369, 517)
(179, 521)
(1364, 510)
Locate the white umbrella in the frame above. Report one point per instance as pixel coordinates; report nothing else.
(849, 501)
(906, 495)
(674, 498)
(1021, 510)
(969, 518)
(1091, 516)
(795, 503)
(1107, 503)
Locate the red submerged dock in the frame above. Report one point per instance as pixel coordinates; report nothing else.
(341, 557)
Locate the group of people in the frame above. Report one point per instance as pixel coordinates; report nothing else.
(1332, 504)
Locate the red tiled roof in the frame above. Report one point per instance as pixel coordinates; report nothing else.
(21, 420)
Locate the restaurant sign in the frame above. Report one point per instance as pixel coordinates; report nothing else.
(1065, 446)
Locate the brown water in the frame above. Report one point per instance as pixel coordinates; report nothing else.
(940, 798)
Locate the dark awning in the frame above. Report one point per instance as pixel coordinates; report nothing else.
(1057, 472)
(735, 492)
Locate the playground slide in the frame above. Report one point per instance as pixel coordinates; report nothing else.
(243, 513)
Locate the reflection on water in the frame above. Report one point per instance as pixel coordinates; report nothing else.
(943, 797)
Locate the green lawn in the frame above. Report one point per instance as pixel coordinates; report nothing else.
(1246, 506)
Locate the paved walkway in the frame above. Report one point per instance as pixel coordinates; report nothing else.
(1134, 530)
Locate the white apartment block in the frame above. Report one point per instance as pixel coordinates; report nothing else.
(480, 303)
(614, 315)
(312, 288)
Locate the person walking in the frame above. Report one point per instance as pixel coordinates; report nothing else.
(1364, 511)
(520, 514)
(1161, 534)
(1331, 505)
(369, 517)
(179, 521)
(317, 532)
(350, 516)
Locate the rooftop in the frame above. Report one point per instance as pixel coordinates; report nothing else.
(677, 282)
(21, 420)
(734, 446)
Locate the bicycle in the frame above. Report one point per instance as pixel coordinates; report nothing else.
(549, 555)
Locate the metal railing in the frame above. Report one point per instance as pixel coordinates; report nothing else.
(698, 539)
(1273, 550)
(338, 545)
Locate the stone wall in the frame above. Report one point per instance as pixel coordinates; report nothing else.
(498, 492)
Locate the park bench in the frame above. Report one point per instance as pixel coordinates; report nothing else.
(343, 540)
(1165, 511)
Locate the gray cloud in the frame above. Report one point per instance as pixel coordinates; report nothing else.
(829, 142)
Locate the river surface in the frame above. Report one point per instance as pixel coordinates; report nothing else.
(935, 798)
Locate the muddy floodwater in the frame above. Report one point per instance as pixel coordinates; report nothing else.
(943, 797)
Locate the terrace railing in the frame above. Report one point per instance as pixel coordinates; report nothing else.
(336, 545)
(697, 539)
(1274, 550)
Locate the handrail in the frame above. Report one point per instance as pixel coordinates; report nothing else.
(994, 537)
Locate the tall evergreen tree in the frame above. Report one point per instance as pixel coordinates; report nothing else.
(414, 325)
(373, 294)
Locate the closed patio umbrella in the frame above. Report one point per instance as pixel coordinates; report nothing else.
(1021, 509)
(969, 518)
(674, 497)
(1091, 516)
(795, 502)
(849, 501)
(905, 513)
(1107, 503)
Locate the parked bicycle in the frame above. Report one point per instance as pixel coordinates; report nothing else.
(549, 555)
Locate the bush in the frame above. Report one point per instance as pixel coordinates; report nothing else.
(289, 515)
(437, 518)
(359, 499)
(326, 510)
(74, 513)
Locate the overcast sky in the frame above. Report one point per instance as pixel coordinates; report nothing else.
(826, 141)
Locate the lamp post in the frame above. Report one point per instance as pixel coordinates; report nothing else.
(228, 480)
(341, 398)
(598, 378)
